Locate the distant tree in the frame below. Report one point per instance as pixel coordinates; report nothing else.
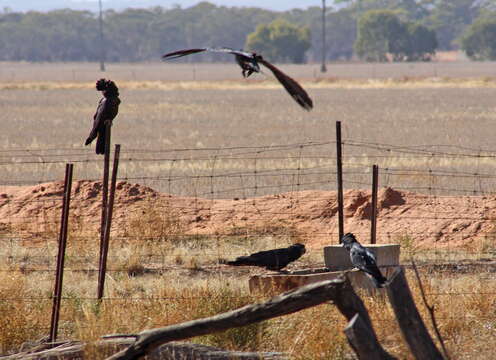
(381, 32)
(422, 42)
(280, 41)
(126, 33)
(340, 35)
(487, 4)
(340, 31)
(62, 35)
(413, 10)
(449, 18)
(145, 34)
(479, 39)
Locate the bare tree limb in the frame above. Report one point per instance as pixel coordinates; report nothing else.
(363, 341)
(412, 327)
(430, 308)
(287, 303)
(349, 303)
(339, 291)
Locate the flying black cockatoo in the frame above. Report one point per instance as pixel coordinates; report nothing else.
(270, 259)
(107, 110)
(363, 259)
(249, 63)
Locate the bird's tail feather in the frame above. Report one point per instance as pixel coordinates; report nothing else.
(241, 261)
(100, 144)
(227, 262)
(379, 280)
(89, 140)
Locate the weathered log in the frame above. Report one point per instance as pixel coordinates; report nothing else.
(349, 303)
(363, 340)
(432, 314)
(351, 306)
(339, 291)
(287, 303)
(411, 324)
(66, 350)
(170, 351)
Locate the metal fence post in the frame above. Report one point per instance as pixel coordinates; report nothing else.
(373, 218)
(106, 165)
(59, 275)
(105, 182)
(339, 163)
(108, 224)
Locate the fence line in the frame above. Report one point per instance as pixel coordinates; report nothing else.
(245, 177)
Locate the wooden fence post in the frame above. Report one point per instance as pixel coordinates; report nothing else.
(412, 327)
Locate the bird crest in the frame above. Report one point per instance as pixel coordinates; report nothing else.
(108, 87)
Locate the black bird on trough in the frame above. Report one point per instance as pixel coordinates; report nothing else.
(249, 63)
(270, 259)
(107, 110)
(363, 259)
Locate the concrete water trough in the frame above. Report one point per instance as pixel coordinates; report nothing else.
(337, 257)
(337, 260)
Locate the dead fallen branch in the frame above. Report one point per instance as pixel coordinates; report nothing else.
(339, 291)
(351, 306)
(173, 350)
(363, 341)
(284, 304)
(430, 308)
(412, 327)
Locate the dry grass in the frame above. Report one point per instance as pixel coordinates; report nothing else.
(147, 286)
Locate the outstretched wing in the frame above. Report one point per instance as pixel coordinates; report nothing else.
(291, 86)
(245, 54)
(181, 53)
(185, 52)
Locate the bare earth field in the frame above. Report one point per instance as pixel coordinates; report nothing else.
(213, 166)
(432, 223)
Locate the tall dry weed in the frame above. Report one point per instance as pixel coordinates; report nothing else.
(23, 318)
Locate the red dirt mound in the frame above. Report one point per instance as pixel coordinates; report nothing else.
(432, 221)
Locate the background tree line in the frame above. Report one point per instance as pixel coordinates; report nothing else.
(406, 28)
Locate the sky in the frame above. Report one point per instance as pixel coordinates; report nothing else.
(45, 5)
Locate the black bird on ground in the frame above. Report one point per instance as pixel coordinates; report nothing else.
(363, 259)
(270, 259)
(107, 110)
(249, 63)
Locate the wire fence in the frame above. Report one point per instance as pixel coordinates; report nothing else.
(246, 175)
(181, 210)
(255, 171)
